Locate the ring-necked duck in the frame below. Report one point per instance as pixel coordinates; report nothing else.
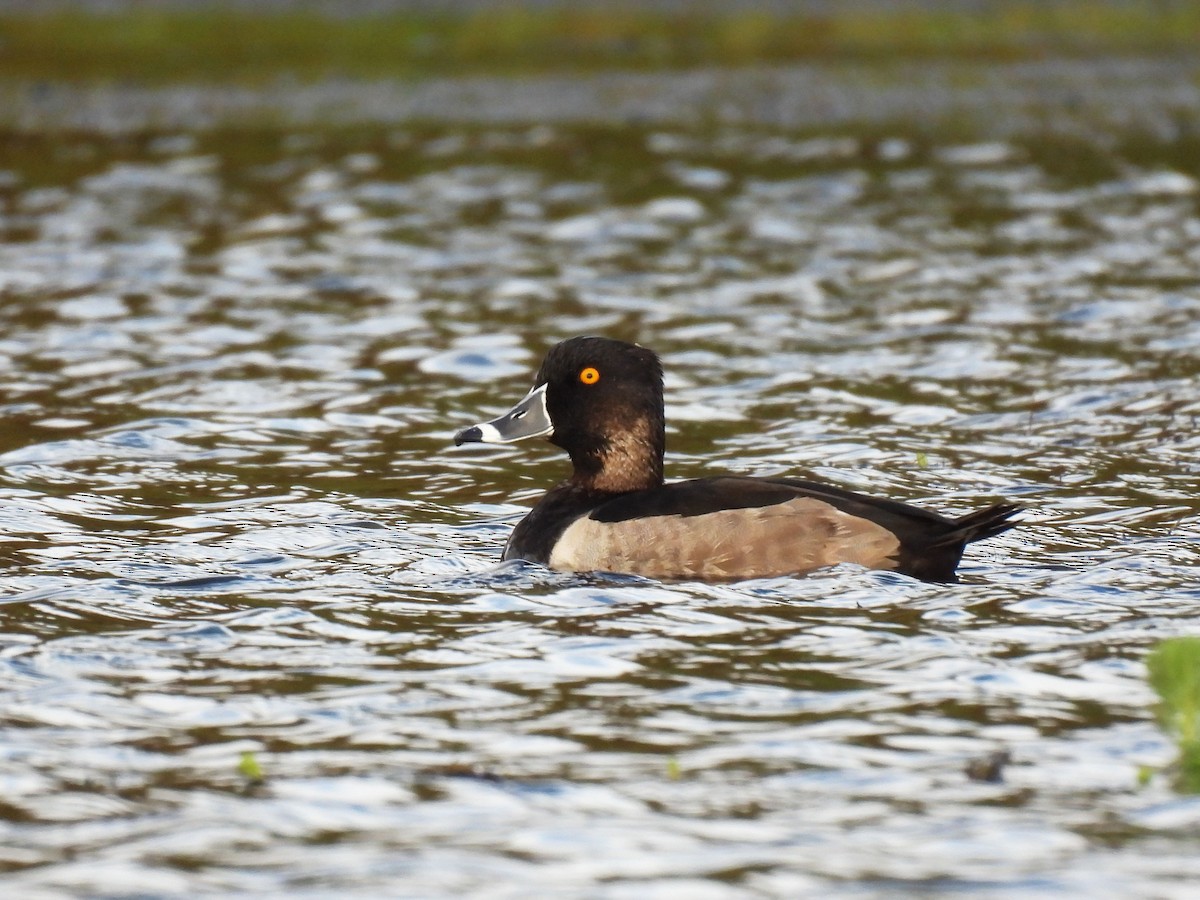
(601, 400)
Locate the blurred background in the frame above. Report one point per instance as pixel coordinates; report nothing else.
(120, 49)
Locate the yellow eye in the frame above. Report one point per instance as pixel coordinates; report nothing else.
(589, 375)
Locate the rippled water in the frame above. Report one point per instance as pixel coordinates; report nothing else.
(233, 519)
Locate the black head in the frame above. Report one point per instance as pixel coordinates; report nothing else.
(603, 403)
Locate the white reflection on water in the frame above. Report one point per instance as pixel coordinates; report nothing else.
(234, 522)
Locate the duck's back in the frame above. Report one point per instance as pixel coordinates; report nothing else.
(731, 528)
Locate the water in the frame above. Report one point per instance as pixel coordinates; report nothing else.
(233, 520)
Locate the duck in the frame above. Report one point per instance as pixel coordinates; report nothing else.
(601, 400)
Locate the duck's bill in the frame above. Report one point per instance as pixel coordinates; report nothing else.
(528, 419)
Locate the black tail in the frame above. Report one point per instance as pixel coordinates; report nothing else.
(935, 556)
(984, 523)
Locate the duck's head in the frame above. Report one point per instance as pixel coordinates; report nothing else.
(599, 399)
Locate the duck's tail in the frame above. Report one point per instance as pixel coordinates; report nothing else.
(984, 523)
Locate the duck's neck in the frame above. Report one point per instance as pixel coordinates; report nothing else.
(631, 460)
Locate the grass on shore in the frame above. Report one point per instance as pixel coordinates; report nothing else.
(174, 44)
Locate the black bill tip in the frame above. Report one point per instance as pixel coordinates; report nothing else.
(470, 435)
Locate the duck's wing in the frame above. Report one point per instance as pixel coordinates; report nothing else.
(732, 528)
(931, 545)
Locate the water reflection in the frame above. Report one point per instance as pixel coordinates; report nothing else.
(233, 520)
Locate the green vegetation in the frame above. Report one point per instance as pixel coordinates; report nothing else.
(1175, 675)
(158, 45)
(249, 768)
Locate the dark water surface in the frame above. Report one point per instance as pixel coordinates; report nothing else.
(233, 519)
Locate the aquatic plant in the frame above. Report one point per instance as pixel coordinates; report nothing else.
(250, 769)
(1175, 676)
